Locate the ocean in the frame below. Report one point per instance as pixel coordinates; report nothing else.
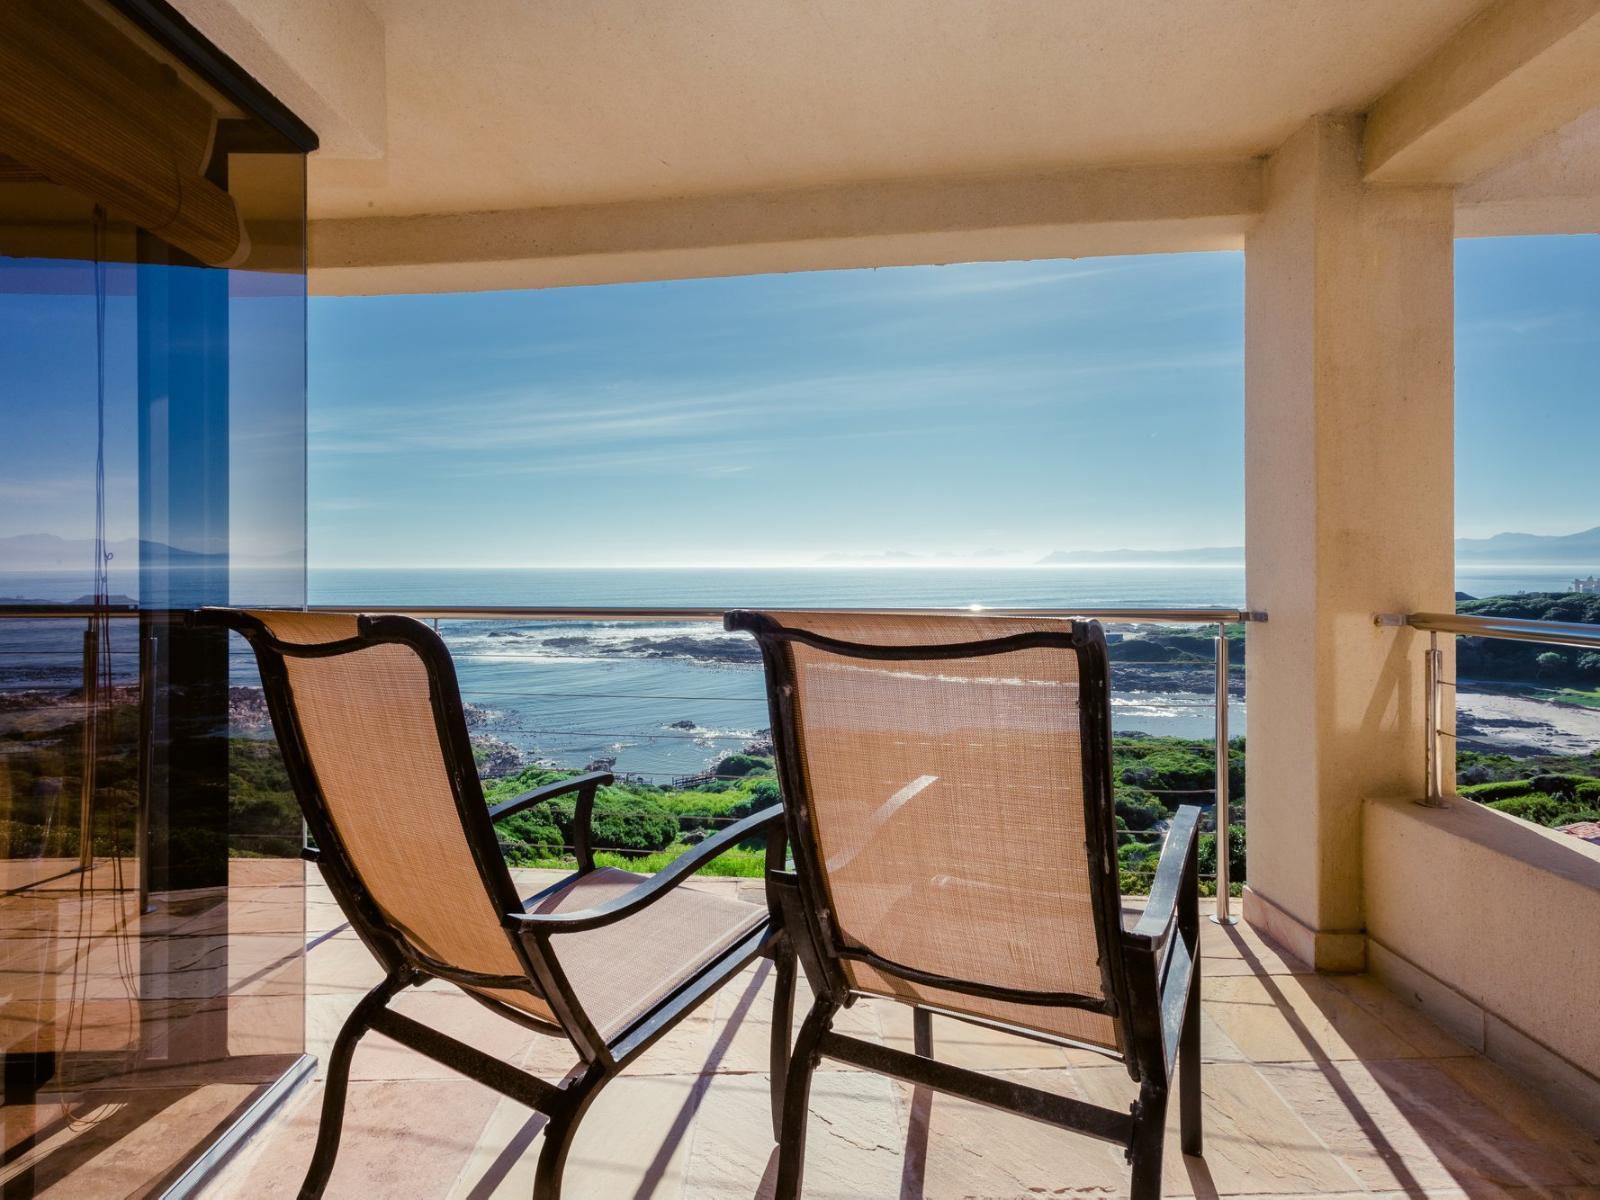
(666, 700)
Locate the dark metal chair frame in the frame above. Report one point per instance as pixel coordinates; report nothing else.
(1151, 972)
(531, 934)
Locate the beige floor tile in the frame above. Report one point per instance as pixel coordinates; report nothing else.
(1313, 1085)
(744, 1021)
(1299, 1018)
(1409, 1125)
(342, 964)
(122, 1141)
(402, 1141)
(1254, 1141)
(459, 1016)
(633, 1143)
(957, 1149)
(855, 1140)
(1531, 1116)
(1430, 1040)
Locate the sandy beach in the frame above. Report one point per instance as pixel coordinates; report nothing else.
(1508, 723)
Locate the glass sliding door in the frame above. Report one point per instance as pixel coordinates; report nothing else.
(152, 461)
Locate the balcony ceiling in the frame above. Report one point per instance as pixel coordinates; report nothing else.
(490, 143)
(504, 104)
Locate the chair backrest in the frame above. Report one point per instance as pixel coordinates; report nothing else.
(948, 787)
(369, 718)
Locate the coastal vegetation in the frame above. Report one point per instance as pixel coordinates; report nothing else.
(635, 824)
(1565, 674)
(642, 827)
(1549, 790)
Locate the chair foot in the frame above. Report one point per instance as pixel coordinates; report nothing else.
(782, 1030)
(561, 1128)
(1149, 1134)
(330, 1126)
(796, 1102)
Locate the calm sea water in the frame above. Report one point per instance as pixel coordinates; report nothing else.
(668, 699)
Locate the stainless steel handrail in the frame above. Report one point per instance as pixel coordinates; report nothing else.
(1176, 616)
(1509, 629)
(1513, 629)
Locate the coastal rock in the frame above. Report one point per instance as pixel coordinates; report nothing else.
(684, 724)
(497, 758)
(247, 709)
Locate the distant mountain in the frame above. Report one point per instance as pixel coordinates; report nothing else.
(1207, 555)
(1569, 549)
(47, 552)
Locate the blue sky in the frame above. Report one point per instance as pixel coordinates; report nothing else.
(987, 412)
(983, 413)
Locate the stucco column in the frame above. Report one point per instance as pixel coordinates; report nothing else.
(1349, 494)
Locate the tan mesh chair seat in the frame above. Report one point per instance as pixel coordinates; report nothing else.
(947, 800)
(369, 718)
(620, 971)
(947, 781)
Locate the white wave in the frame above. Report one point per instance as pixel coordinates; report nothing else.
(582, 641)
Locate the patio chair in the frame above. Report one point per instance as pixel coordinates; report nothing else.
(370, 722)
(947, 783)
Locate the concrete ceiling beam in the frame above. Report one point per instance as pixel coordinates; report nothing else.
(1072, 213)
(1516, 72)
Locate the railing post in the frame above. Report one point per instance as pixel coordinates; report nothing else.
(1224, 914)
(1434, 683)
(147, 700)
(89, 749)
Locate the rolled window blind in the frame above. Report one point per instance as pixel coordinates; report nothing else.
(86, 107)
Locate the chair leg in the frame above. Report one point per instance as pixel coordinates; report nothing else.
(562, 1127)
(796, 1101)
(1189, 1119)
(1149, 1133)
(331, 1125)
(782, 1030)
(922, 1032)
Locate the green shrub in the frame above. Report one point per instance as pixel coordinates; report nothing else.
(1168, 769)
(1139, 854)
(1506, 789)
(1535, 807)
(744, 864)
(627, 824)
(1138, 809)
(1236, 860)
(736, 766)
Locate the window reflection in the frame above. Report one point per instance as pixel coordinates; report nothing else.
(152, 460)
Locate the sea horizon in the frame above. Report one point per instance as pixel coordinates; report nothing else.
(664, 699)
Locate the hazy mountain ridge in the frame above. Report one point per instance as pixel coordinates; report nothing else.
(48, 552)
(1568, 549)
(1228, 555)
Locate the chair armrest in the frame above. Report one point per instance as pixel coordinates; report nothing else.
(1161, 911)
(560, 787)
(582, 815)
(651, 889)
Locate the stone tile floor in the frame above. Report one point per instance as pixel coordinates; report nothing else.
(1314, 1085)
